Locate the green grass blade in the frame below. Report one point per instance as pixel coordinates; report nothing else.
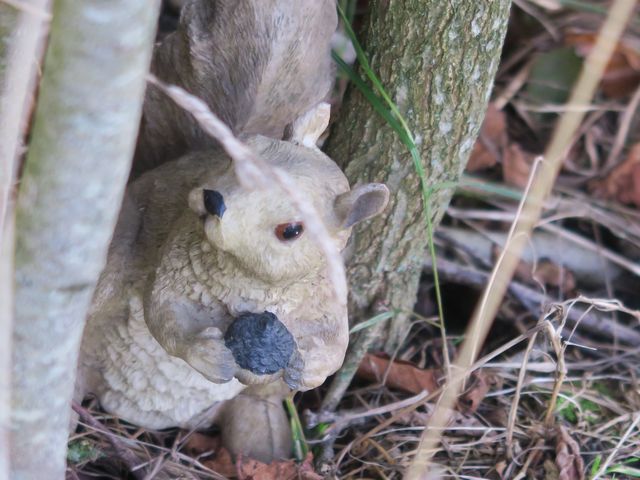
(300, 446)
(629, 471)
(369, 94)
(372, 321)
(395, 119)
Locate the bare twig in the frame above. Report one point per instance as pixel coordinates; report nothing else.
(16, 95)
(611, 456)
(540, 187)
(513, 411)
(555, 338)
(535, 302)
(343, 419)
(122, 451)
(25, 33)
(29, 8)
(623, 130)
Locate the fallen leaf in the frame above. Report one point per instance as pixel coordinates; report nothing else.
(552, 76)
(623, 182)
(545, 272)
(199, 443)
(622, 74)
(500, 467)
(516, 165)
(249, 469)
(477, 389)
(487, 150)
(401, 375)
(551, 471)
(217, 458)
(222, 463)
(553, 275)
(568, 459)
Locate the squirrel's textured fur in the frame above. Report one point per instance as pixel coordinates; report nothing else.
(176, 277)
(258, 64)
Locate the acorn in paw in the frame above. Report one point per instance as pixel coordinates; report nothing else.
(262, 345)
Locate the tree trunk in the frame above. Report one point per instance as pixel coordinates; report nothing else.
(437, 61)
(7, 23)
(22, 39)
(76, 169)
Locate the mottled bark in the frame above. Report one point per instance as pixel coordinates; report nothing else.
(437, 60)
(77, 165)
(7, 23)
(22, 38)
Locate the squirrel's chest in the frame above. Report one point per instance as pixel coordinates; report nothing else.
(144, 384)
(219, 287)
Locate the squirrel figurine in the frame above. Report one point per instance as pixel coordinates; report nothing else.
(214, 304)
(257, 64)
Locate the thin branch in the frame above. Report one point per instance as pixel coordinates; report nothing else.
(125, 454)
(82, 142)
(17, 82)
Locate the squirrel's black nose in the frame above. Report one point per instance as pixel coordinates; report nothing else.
(214, 202)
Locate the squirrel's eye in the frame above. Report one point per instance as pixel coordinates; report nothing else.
(289, 231)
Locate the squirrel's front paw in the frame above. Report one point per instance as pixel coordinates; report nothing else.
(293, 372)
(208, 354)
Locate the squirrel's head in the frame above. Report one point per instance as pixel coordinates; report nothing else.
(262, 229)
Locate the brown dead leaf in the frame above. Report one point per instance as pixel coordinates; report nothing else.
(477, 389)
(546, 272)
(199, 443)
(217, 458)
(500, 467)
(553, 275)
(516, 165)
(249, 469)
(492, 140)
(622, 75)
(401, 375)
(623, 182)
(551, 471)
(568, 459)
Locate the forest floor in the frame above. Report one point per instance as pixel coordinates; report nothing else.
(556, 392)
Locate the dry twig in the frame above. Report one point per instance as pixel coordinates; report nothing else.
(540, 187)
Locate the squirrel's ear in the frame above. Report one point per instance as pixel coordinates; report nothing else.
(196, 201)
(307, 128)
(360, 203)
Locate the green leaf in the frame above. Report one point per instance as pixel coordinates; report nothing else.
(596, 465)
(81, 451)
(552, 76)
(629, 471)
